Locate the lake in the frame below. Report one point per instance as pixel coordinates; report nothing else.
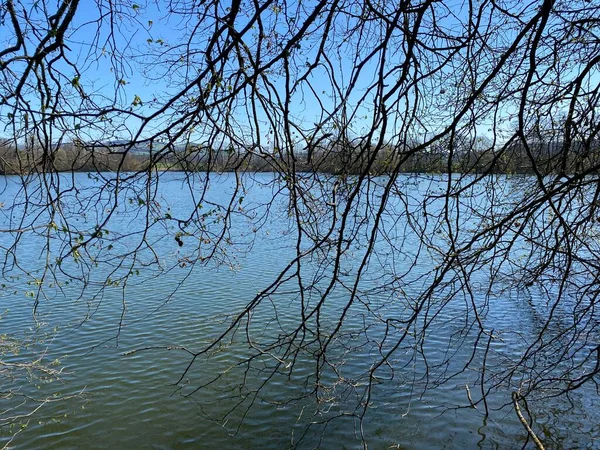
(124, 316)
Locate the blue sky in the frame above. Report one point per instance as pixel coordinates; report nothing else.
(152, 65)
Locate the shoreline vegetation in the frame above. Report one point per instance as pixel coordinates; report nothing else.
(555, 157)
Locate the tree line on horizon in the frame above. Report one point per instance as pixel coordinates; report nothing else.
(334, 156)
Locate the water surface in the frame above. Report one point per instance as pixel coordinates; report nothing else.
(130, 400)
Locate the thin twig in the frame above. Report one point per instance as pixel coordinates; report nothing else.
(516, 397)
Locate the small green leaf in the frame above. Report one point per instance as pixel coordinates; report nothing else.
(136, 100)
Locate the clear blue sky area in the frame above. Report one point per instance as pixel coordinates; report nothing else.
(138, 56)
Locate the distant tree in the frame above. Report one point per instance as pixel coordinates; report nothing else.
(338, 87)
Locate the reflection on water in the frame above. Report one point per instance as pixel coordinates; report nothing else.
(131, 401)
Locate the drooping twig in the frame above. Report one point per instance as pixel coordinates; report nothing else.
(516, 398)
